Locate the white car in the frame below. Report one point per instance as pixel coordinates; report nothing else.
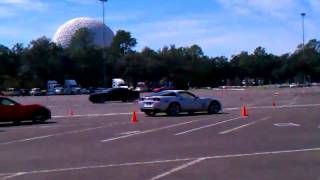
(173, 102)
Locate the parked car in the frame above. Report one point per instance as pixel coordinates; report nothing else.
(84, 91)
(24, 92)
(173, 102)
(13, 92)
(293, 85)
(54, 88)
(35, 92)
(114, 94)
(71, 87)
(141, 87)
(15, 112)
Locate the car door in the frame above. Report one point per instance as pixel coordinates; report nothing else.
(116, 94)
(8, 110)
(187, 101)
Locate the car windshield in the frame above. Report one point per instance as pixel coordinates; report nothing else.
(105, 90)
(164, 93)
(187, 95)
(7, 102)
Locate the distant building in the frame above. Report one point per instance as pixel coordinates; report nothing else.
(65, 32)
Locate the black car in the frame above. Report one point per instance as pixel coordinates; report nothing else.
(114, 94)
(24, 92)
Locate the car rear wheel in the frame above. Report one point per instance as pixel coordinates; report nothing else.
(214, 107)
(39, 117)
(16, 122)
(150, 113)
(173, 109)
(191, 113)
(99, 101)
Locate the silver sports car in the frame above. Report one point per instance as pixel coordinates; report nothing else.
(173, 102)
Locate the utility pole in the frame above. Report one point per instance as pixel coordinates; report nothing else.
(303, 43)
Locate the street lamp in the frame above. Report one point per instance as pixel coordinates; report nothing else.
(303, 42)
(104, 44)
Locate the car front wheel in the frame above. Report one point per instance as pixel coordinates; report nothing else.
(39, 117)
(214, 108)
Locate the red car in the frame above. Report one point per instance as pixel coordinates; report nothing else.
(15, 112)
(156, 90)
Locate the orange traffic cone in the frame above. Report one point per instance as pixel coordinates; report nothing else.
(134, 117)
(244, 111)
(274, 104)
(70, 112)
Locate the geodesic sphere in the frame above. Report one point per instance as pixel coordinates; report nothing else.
(65, 32)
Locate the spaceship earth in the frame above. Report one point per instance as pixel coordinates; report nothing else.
(65, 32)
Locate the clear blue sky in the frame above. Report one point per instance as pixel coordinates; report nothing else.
(220, 27)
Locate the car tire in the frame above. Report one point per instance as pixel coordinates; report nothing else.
(151, 113)
(100, 101)
(16, 123)
(191, 113)
(174, 109)
(39, 117)
(214, 107)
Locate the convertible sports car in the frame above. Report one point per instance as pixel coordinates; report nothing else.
(114, 94)
(15, 112)
(175, 101)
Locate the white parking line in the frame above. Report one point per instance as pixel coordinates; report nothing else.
(272, 107)
(151, 130)
(168, 173)
(162, 161)
(13, 175)
(129, 132)
(243, 126)
(237, 128)
(53, 135)
(207, 126)
(287, 106)
(287, 125)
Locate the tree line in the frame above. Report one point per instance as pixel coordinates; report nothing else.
(42, 60)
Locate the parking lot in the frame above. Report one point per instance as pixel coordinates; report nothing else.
(278, 140)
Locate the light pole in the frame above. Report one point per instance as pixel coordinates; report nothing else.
(303, 16)
(104, 45)
(303, 43)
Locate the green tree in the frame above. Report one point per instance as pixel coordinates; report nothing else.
(122, 43)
